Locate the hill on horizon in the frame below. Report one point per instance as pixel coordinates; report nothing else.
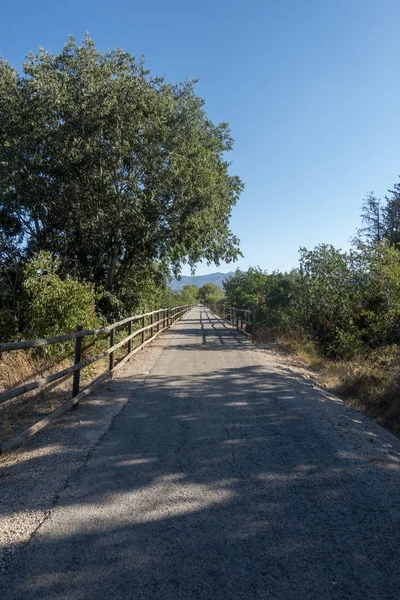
(199, 280)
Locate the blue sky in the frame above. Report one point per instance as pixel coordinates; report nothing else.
(310, 88)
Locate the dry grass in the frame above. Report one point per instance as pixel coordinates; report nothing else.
(20, 367)
(370, 382)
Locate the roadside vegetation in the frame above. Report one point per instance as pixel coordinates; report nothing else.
(340, 311)
(111, 180)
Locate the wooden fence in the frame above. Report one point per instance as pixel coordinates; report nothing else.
(160, 320)
(242, 318)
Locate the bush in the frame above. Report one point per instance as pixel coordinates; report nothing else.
(345, 344)
(56, 305)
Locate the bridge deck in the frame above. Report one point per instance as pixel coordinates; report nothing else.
(222, 477)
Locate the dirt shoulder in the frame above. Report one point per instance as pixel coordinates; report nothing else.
(369, 383)
(372, 441)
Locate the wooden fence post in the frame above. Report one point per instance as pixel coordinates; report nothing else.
(151, 322)
(77, 359)
(143, 332)
(129, 333)
(253, 323)
(112, 342)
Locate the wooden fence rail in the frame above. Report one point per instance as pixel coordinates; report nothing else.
(160, 320)
(238, 317)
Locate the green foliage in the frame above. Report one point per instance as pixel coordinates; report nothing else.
(111, 168)
(11, 296)
(381, 218)
(56, 305)
(372, 217)
(328, 293)
(210, 293)
(277, 310)
(380, 269)
(345, 302)
(188, 295)
(391, 215)
(245, 289)
(118, 173)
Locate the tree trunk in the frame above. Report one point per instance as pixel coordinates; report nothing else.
(113, 266)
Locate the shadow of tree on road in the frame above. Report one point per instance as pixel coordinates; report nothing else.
(219, 485)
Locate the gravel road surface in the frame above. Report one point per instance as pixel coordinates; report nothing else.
(225, 474)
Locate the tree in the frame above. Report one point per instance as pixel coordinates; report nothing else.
(391, 215)
(11, 295)
(210, 293)
(379, 271)
(245, 289)
(11, 234)
(189, 294)
(372, 217)
(329, 298)
(111, 169)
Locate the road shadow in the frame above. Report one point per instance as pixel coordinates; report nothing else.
(224, 484)
(214, 333)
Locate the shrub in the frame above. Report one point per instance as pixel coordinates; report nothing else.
(56, 305)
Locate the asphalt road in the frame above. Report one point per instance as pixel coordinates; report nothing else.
(223, 477)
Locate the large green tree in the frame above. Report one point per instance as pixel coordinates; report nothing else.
(246, 288)
(189, 294)
(210, 293)
(116, 172)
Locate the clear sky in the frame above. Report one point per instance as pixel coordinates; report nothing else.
(311, 89)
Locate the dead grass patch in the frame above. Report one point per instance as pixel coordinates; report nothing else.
(370, 382)
(20, 367)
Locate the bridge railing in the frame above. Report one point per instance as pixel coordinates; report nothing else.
(243, 319)
(158, 321)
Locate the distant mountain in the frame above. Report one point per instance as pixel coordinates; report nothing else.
(200, 280)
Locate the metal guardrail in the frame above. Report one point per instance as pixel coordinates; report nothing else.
(165, 317)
